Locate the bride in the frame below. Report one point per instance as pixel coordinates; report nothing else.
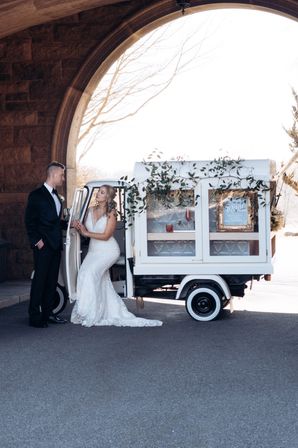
(97, 303)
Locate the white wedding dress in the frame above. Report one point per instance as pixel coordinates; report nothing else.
(96, 301)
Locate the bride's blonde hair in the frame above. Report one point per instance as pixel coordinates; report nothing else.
(111, 193)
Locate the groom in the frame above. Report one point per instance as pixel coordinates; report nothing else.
(44, 228)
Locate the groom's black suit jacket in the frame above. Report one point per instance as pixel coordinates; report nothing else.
(42, 221)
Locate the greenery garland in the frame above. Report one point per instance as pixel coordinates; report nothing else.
(166, 184)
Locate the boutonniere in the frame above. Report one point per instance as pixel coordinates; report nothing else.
(62, 198)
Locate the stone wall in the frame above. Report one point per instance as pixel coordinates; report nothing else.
(36, 68)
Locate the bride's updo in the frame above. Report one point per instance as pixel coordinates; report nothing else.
(111, 193)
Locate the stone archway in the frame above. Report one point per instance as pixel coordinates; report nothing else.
(79, 93)
(47, 72)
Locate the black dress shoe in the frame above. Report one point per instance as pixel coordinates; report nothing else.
(38, 324)
(56, 320)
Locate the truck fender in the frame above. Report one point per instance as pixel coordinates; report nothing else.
(217, 279)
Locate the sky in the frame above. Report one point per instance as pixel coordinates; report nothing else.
(234, 101)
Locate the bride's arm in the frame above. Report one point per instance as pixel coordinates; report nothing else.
(108, 232)
(77, 224)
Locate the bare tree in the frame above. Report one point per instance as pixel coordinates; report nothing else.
(287, 172)
(293, 131)
(141, 73)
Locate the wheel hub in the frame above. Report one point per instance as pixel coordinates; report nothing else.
(203, 305)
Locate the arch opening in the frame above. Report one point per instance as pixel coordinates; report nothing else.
(97, 65)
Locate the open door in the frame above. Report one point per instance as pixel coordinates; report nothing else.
(73, 243)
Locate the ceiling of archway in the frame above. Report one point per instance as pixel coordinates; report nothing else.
(17, 15)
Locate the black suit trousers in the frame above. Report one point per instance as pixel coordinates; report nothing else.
(43, 287)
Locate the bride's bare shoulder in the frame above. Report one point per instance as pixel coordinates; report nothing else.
(89, 212)
(112, 214)
(91, 209)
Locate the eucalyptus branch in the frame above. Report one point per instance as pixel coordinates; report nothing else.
(168, 186)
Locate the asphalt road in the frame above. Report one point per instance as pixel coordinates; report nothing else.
(229, 383)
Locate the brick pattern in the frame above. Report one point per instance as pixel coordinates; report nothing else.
(36, 68)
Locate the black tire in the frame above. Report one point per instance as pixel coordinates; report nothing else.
(203, 303)
(60, 300)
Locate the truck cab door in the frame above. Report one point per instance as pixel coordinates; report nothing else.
(73, 243)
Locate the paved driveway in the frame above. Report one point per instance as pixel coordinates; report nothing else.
(224, 384)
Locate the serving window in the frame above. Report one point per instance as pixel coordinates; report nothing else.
(171, 225)
(233, 223)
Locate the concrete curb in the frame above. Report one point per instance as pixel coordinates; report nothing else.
(14, 292)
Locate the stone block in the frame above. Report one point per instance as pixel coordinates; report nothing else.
(2, 102)
(40, 155)
(14, 87)
(16, 237)
(23, 71)
(69, 73)
(13, 155)
(77, 33)
(24, 174)
(53, 89)
(46, 104)
(24, 256)
(41, 105)
(5, 71)
(15, 270)
(33, 135)
(18, 188)
(42, 33)
(26, 271)
(55, 51)
(6, 136)
(15, 215)
(17, 50)
(46, 118)
(5, 77)
(19, 96)
(27, 71)
(18, 118)
(13, 106)
(71, 64)
(5, 68)
(2, 49)
(1, 190)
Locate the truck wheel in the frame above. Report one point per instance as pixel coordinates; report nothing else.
(225, 303)
(60, 300)
(203, 303)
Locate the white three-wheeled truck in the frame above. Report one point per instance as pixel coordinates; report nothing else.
(203, 248)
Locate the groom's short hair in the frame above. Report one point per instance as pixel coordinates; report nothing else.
(53, 165)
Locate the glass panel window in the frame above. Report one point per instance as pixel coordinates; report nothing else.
(233, 223)
(171, 225)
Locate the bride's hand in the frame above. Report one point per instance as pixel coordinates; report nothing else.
(82, 229)
(75, 224)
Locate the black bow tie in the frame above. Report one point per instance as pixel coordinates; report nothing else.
(55, 192)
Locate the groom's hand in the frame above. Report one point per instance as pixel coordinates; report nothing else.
(39, 244)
